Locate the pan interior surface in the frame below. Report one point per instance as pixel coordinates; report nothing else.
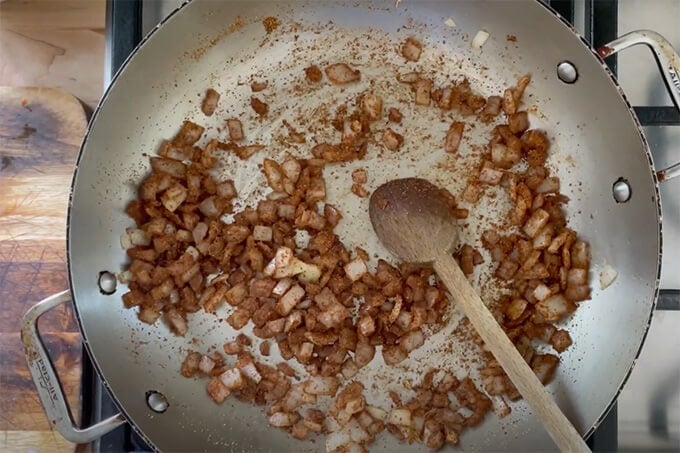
(224, 45)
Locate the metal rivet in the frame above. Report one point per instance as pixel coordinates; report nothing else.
(107, 282)
(566, 71)
(621, 190)
(156, 401)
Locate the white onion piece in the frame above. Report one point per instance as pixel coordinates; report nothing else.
(275, 196)
(125, 242)
(355, 269)
(349, 369)
(125, 276)
(137, 237)
(286, 211)
(289, 300)
(262, 233)
(208, 207)
(282, 286)
(490, 176)
(376, 412)
(549, 185)
(500, 407)
(285, 264)
(356, 432)
(199, 232)
(541, 292)
(248, 369)
(297, 397)
(232, 379)
(337, 439)
(554, 308)
(226, 190)
(400, 417)
(177, 322)
(193, 252)
(282, 419)
(479, 39)
(292, 169)
(607, 276)
(206, 364)
(331, 424)
(174, 197)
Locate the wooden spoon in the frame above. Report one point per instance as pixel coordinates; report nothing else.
(413, 220)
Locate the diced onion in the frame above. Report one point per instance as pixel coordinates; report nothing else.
(289, 300)
(125, 241)
(247, 367)
(549, 185)
(138, 237)
(262, 233)
(479, 39)
(376, 412)
(206, 364)
(283, 419)
(319, 385)
(541, 292)
(607, 276)
(400, 417)
(355, 269)
(412, 340)
(337, 439)
(232, 379)
(282, 286)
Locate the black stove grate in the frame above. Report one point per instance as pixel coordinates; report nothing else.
(124, 32)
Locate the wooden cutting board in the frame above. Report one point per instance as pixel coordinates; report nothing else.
(40, 134)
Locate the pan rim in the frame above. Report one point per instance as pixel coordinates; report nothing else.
(69, 261)
(144, 41)
(659, 214)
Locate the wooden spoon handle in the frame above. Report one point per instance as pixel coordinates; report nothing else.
(555, 422)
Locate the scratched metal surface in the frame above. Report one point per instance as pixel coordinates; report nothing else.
(147, 105)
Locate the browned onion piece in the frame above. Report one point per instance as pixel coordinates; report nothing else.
(410, 77)
(372, 106)
(555, 308)
(490, 176)
(393, 355)
(411, 49)
(412, 340)
(210, 101)
(422, 89)
(538, 220)
(172, 167)
(341, 73)
(392, 140)
(518, 122)
(235, 129)
(454, 137)
(504, 156)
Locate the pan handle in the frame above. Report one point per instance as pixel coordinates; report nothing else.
(669, 65)
(47, 383)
